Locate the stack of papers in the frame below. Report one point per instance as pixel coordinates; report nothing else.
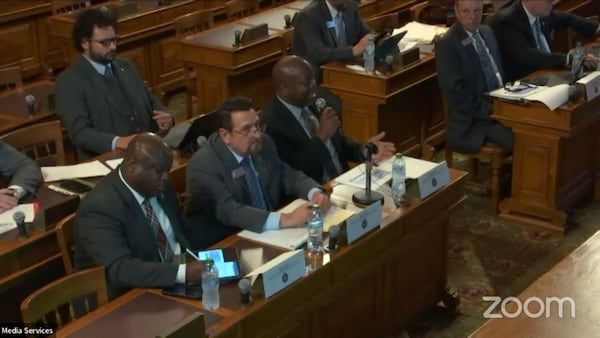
(552, 97)
(420, 32)
(63, 172)
(293, 238)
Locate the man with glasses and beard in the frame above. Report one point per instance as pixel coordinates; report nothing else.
(236, 180)
(101, 98)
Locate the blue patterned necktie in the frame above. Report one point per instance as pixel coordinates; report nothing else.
(256, 196)
(540, 40)
(341, 30)
(486, 62)
(108, 72)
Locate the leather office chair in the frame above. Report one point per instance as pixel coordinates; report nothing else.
(64, 235)
(177, 177)
(72, 290)
(10, 78)
(190, 326)
(237, 9)
(42, 142)
(186, 25)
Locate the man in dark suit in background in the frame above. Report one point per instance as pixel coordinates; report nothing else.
(130, 223)
(316, 146)
(102, 99)
(236, 180)
(524, 31)
(468, 64)
(23, 176)
(329, 30)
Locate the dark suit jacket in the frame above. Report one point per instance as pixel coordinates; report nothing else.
(18, 168)
(296, 148)
(317, 43)
(217, 197)
(517, 44)
(93, 114)
(112, 230)
(462, 82)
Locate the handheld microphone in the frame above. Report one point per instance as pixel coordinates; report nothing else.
(19, 218)
(320, 104)
(200, 141)
(288, 21)
(334, 232)
(30, 102)
(237, 37)
(244, 286)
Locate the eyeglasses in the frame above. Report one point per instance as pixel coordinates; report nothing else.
(257, 127)
(107, 42)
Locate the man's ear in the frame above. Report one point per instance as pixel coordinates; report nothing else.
(224, 134)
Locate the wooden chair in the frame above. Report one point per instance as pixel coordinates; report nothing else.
(67, 6)
(64, 235)
(177, 177)
(190, 326)
(495, 155)
(42, 142)
(237, 9)
(383, 23)
(186, 25)
(429, 13)
(10, 78)
(45, 305)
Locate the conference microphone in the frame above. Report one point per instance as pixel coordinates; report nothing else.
(244, 286)
(104, 9)
(365, 198)
(371, 149)
(288, 21)
(389, 61)
(237, 37)
(200, 141)
(19, 218)
(334, 232)
(30, 102)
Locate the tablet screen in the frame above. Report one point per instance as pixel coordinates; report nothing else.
(226, 261)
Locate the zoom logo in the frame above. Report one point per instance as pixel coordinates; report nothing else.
(533, 307)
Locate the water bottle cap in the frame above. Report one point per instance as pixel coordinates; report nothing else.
(399, 155)
(315, 207)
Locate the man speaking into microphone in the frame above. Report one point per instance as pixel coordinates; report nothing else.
(303, 121)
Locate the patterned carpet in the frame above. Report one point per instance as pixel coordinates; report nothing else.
(487, 256)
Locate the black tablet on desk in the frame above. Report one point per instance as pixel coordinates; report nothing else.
(388, 46)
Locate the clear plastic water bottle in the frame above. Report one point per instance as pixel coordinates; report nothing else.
(576, 55)
(369, 55)
(210, 286)
(398, 177)
(315, 230)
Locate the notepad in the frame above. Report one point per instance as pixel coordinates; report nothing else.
(63, 172)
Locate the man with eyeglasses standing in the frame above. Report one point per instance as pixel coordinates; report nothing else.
(468, 65)
(237, 180)
(101, 98)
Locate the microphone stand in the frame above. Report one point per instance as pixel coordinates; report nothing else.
(365, 198)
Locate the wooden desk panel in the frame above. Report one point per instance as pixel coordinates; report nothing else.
(13, 108)
(406, 103)
(576, 276)
(373, 283)
(555, 160)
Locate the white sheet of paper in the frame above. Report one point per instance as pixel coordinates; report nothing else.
(114, 163)
(6, 218)
(553, 97)
(88, 169)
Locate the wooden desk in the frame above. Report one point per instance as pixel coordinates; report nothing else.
(556, 160)
(146, 37)
(13, 109)
(576, 276)
(406, 103)
(375, 283)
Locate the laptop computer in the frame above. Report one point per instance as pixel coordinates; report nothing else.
(184, 136)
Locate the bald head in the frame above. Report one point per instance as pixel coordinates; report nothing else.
(294, 80)
(146, 164)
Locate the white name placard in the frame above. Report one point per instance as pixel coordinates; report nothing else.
(362, 222)
(278, 273)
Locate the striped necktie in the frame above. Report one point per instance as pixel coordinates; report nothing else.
(164, 249)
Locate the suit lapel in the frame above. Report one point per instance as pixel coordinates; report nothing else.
(329, 31)
(233, 170)
(296, 129)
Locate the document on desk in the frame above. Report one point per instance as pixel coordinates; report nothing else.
(82, 170)
(6, 218)
(114, 163)
(420, 32)
(293, 238)
(553, 97)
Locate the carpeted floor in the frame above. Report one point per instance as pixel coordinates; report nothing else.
(487, 256)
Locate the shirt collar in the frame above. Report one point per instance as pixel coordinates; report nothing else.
(295, 110)
(99, 67)
(138, 197)
(237, 156)
(530, 17)
(332, 9)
